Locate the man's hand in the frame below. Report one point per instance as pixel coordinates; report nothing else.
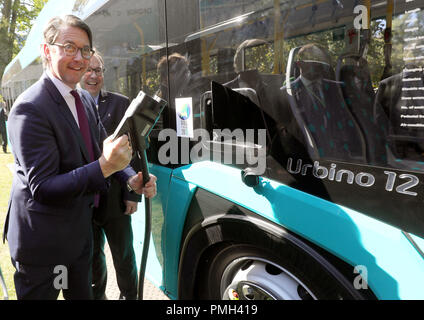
(131, 207)
(116, 155)
(136, 183)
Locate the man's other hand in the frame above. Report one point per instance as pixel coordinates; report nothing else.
(136, 183)
(131, 207)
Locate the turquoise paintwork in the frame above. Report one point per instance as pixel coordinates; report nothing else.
(180, 195)
(418, 241)
(154, 268)
(395, 269)
(169, 209)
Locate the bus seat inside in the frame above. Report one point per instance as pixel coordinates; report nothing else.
(317, 104)
(358, 93)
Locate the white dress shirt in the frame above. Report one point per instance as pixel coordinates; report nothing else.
(65, 91)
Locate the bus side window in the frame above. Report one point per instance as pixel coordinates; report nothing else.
(399, 100)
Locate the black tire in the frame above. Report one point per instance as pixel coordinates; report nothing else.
(316, 279)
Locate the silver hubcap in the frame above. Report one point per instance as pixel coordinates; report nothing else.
(252, 278)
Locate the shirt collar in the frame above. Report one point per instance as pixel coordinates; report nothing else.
(96, 99)
(63, 88)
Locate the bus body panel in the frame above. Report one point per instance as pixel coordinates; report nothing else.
(154, 269)
(169, 209)
(357, 239)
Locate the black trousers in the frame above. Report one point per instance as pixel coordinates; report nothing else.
(3, 134)
(45, 282)
(119, 236)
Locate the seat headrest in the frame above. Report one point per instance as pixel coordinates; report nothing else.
(315, 70)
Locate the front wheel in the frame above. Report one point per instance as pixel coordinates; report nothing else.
(246, 272)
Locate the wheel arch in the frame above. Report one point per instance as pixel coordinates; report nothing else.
(228, 223)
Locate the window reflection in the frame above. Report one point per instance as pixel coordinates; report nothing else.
(359, 98)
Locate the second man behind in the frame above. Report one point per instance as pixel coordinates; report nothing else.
(112, 217)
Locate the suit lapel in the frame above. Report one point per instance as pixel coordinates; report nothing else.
(93, 120)
(103, 96)
(66, 113)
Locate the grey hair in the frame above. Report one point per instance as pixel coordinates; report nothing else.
(98, 55)
(313, 51)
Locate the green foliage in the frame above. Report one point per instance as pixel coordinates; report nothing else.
(375, 55)
(16, 19)
(27, 13)
(260, 58)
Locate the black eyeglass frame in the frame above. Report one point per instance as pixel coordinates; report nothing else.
(76, 50)
(97, 71)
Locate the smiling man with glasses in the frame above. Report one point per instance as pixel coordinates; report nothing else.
(93, 80)
(113, 216)
(60, 169)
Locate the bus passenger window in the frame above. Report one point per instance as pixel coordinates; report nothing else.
(253, 54)
(329, 129)
(400, 97)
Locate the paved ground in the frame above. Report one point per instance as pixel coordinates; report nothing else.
(151, 292)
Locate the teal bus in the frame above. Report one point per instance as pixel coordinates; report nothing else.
(289, 157)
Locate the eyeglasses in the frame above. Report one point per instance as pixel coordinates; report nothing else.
(98, 71)
(71, 50)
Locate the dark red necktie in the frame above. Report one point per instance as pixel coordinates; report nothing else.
(83, 124)
(85, 132)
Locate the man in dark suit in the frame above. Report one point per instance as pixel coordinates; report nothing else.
(59, 170)
(318, 110)
(113, 216)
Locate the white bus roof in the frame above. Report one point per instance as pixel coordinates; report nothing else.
(31, 50)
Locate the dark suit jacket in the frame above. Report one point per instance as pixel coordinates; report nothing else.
(50, 207)
(111, 108)
(3, 118)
